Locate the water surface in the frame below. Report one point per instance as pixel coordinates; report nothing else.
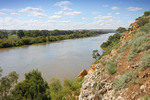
(64, 59)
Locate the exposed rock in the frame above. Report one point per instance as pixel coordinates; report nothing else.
(92, 69)
(113, 52)
(143, 88)
(82, 73)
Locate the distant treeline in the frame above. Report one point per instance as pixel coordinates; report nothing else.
(37, 36)
(36, 33)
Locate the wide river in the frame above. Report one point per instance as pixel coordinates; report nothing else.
(64, 59)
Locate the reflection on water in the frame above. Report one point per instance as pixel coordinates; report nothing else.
(63, 59)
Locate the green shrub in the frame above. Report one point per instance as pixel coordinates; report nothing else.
(145, 61)
(119, 82)
(147, 97)
(111, 40)
(145, 28)
(55, 88)
(142, 21)
(111, 67)
(58, 91)
(131, 55)
(121, 29)
(146, 13)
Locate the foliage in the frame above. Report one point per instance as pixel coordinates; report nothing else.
(147, 97)
(6, 84)
(146, 13)
(121, 29)
(145, 28)
(55, 89)
(111, 43)
(111, 40)
(119, 82)
(111, 67)
(20, 34)
(44, 37)
(145, 61)
(95, 54)
(33, 87)
(3, 35)
(142, 21)
(64, 92)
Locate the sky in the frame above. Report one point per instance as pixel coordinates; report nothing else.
(70, 14)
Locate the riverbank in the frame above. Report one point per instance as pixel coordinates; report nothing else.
(29, 37)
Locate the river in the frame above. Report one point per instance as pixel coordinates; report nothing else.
(64, 59)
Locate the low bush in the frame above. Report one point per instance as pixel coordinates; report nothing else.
(111, 67)
(145, 61)
(58, 91)
(145, 28)
(119, 82)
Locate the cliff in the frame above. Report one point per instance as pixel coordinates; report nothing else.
(124, 72)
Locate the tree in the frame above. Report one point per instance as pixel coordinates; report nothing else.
(121, 29)
(3, 35)
(55, 89)
(95, 54)
(33, 87)
(6, 84)
(20, 34)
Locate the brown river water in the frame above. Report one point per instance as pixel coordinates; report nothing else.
(64, 59)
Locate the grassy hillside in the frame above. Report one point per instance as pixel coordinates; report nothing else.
(123, 70)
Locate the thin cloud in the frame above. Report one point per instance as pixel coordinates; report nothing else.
(73, 13)
(117, 13)
(33, 11)
(69, 13)
(30, 9)
(65, 21)
(6, 10)
(37, 14)
(63, 3)
(84, 18)
(134, 9)
(66, 9)
(95, 12)
(115, 8)
(59, 12)
(103, 17)
(55, 17)
(13, 13)
(1, 13)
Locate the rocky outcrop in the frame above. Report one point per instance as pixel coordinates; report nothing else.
(92, 69)
(100, 85)
(82, 73)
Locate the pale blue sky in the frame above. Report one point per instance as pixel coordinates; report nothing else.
(70, 14)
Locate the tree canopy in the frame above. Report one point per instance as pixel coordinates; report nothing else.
(121, 29)
(33, 87)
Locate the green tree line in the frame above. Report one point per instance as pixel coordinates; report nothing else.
(27, 38)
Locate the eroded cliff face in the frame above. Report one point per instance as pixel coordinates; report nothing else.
(130, 82)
